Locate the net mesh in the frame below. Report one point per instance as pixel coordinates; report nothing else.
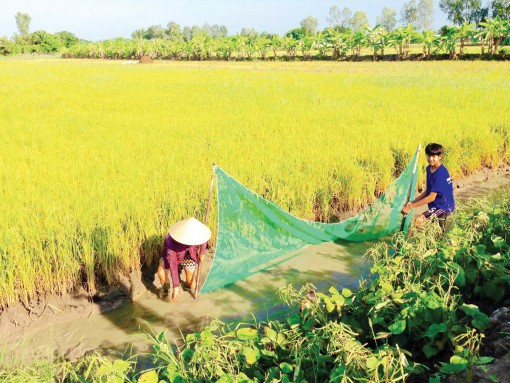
(254, 233)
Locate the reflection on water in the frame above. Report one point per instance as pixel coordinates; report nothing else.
(325, 265)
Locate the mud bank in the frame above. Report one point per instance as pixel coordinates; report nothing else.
(112, 321)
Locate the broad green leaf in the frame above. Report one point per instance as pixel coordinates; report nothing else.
(339, 301)
(243, 378)
(247, 333)
(372, 363)
(294, 320)
(470, 309)
(268, 353)
(172, 371)
(121, 366)
(398, 327)
(227, 378)
(382, 335)
(435, 329)
(481, 321)
(485, 360)
(457, 364)
(251, 354)
(286, 367)
(460, 279)
(346, 292)
(149, 377)
(430, 350)
(494, 378)
(275, 337)
(381, 305)
(498, 241)
(329, 305)
(187, 354)
(386, 287)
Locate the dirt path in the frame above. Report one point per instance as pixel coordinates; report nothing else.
(73, 326)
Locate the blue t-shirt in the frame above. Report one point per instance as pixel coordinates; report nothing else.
(440, 182)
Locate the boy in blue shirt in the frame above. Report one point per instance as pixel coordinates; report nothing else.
(439, 192)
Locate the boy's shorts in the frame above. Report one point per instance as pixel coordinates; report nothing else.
(440, 214)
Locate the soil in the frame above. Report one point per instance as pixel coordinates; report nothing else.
(135, 300)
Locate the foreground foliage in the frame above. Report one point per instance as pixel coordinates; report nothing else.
(421, 315)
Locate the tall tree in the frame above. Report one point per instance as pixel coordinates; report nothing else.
(425, 15)
(387, 19)
(23, 23)
(359, 21)
(67, 39)
(310, 25)
(345, 17)
(155, 32)
(173, 30)
(138, 34)
(500, 8)
(334, 17)
(186, 31)
(460, 11)
(409, 13)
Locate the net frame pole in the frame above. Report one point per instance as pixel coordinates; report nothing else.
(197, 289)
(402, 225)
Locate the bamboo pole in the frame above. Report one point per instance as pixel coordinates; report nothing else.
(206, 222)
(402, 225)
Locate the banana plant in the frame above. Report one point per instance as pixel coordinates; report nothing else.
(338, 42)
(449, 41)
(275, 45)
(429, 41)
(375, 38)
(290, 44)
(400, 39)
(262, 44)
(497, 29)
(307, 44)
(357, 40)
(464, 32)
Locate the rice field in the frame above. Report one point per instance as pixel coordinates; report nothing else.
(98, 159)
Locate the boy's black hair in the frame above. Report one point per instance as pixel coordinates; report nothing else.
(434, 150)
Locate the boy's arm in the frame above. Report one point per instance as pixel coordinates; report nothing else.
(420, 201)
(419, 198)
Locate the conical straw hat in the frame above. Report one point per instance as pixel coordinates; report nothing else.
(190, 232)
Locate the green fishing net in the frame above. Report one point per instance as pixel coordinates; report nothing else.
(254, 233)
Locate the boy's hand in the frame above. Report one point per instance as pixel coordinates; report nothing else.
(406, 209)
(175, 294)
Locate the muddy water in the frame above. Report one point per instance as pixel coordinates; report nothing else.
(329, 264)
(325, 265)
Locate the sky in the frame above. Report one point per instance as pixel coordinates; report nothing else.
(97, 20)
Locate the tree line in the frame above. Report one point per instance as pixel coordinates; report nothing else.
(348, 35)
